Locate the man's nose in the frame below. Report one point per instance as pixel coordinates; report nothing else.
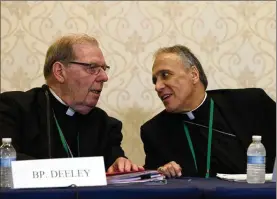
(103, 77)
(159, 86)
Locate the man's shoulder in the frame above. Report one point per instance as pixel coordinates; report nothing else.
(238, 91)
(241, 94)
(156, 120)
(21, 97)
(246, 98)
(100, 113)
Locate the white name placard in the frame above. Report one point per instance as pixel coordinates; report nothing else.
(60, 172)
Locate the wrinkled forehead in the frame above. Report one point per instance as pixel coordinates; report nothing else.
(88, 52)
(166, 61)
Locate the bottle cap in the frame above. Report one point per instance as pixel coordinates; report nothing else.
(6, 140)
(257, 137)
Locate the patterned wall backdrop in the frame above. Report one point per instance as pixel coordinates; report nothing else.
(235, 41)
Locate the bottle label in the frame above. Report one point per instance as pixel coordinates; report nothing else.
(256, 159)
(6, 162)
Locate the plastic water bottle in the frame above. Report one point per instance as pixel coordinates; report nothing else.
(274, 171)
(256, 154)
(7, 154)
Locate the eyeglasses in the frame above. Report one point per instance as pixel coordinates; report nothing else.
(92, 68)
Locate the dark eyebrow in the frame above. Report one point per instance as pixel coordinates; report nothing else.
(91, 65)
(154, 77)
(162, 71)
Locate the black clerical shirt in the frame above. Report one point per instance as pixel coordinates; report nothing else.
(70, 126)
(241, 112)
(24, 118)
(225, 145)
(165, 140)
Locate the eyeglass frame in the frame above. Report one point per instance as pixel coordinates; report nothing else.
(91, 66)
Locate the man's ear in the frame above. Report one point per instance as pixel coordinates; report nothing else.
(58, 71)
(194, 74)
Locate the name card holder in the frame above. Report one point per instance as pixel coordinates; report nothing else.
(62, 172)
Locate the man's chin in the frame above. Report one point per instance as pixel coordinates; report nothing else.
(84, 110)
(171, 109)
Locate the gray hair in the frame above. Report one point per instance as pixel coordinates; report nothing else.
(188, 58)
(62, 50)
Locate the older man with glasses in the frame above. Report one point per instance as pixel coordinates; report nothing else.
(61, 119)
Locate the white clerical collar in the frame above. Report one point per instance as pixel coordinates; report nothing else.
(69, 111)
(190, 114)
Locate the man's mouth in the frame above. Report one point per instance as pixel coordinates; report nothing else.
(96, 91)
(165, 96)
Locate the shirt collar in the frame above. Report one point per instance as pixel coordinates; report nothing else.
(190, 113)
(70, 111)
